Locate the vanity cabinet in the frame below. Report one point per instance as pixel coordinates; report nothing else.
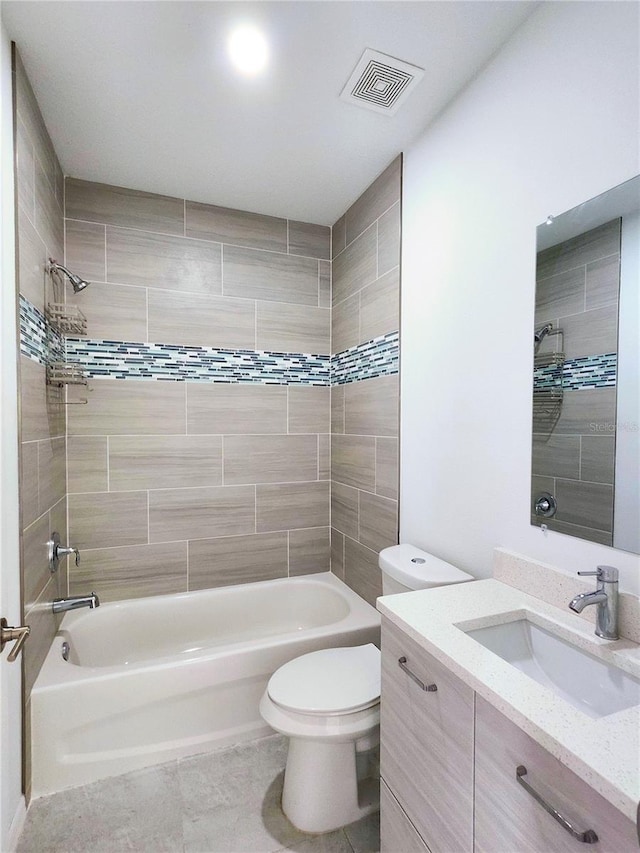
(449, 759)
(426, 749)
(507, 816)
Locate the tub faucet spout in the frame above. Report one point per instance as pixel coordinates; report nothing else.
(60, 605)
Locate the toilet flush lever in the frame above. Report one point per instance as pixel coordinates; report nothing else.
(9, 635)
(428, 688)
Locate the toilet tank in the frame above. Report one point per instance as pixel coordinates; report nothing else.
(406, 568)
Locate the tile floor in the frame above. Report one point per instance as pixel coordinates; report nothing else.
(222, 802)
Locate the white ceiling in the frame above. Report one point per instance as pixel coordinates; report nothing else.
(141, 94)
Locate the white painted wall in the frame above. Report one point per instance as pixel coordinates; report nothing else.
(626, 516)
(11, 800)
(551, 122)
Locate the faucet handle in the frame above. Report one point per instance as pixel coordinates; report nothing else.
(607, 574)
(583, 574)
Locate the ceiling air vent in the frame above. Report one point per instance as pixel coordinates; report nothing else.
(380, 82)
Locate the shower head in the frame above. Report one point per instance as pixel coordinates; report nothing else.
(77, 283)
(542, 333)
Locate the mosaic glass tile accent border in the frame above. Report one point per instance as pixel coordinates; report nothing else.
(592, 371)
(39, 341)
(126, 360)
(378, 357)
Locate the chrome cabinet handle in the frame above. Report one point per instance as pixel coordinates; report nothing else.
(587, 837)
(9, 635)
(429, 688)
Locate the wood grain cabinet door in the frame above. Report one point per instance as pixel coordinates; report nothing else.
(397, 833)
(426, 751)
(508, 819)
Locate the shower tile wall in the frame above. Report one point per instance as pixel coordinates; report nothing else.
(364, 411)
(219, 479)
(42, 412)
(577, 288)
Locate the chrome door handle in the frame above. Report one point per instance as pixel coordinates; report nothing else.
(9, 634)
(587, 837)
(428, 688)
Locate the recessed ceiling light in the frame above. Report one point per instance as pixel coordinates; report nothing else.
(248, 50)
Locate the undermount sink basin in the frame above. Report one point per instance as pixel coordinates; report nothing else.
(589, 684)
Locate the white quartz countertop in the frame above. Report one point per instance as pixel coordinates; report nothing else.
(604, 752)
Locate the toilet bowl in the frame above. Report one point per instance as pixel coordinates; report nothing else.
(328, 704)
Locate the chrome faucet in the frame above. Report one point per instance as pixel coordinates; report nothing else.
(74, 602)
(605, 596)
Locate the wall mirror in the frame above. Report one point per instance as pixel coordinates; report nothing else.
(586, 383)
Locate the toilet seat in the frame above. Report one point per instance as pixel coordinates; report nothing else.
(329, 682)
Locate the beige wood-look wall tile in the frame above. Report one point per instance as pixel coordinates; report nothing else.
(120, 206)
(87, 463)
(107, 519)
(344, 509)
(314, 241)
(375, 200)
(380, 307)
(44, 627)
(355, 267)
(309, 551)
(337, 553)
(338, 236)
(164, 461)
(28, 482)
(560, 295)
(371, 406)
(604, 537)
(135, 571)
(324, 457)
(35, 128)
(236, 409)
(290, 506)
(237, 559)
(389, 239)
(49, 221)
(129, 407)
(114, 312)
(309, 408)
(293, 328)
(270, 459)
(586, 504)
(33, 400)
(85, 250)
(35, 563)
(201, 513)
(253, 274)
(25, 171)
(52, 472)
(387, 467)
(197, 320)
(239, 227)
(378, 525)
(603, 282)
(353, 461)
(337, 409)
(581, 410)
(587, 247)
(590, 333)
(345, 323)
(361, 571)
(556, 455)
(32, 260)
(598, 458)
(163, 262)
(324, 284)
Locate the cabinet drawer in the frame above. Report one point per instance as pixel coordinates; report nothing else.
(397, 833)
(508, 818)
(426, 750)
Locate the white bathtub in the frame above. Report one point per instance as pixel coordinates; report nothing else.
(153, 679)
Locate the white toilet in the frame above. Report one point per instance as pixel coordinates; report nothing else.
(328, 704)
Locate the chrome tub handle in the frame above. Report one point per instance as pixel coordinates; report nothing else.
(587, 837)
(428, 688)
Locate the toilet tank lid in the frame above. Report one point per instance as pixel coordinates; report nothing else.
(418, 569)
